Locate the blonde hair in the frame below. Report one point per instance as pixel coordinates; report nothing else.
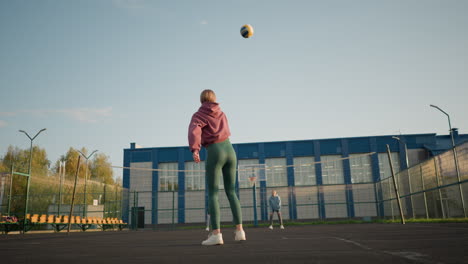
(207, 96)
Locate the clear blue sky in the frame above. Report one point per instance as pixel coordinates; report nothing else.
(102, 74)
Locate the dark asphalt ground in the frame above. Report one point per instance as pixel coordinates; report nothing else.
(352, 243)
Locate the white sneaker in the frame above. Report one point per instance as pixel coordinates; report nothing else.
(282, 227)
(271, 227)
(207, 229)
(213, 240)
(239, 235)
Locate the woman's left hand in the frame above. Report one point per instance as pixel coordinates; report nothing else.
(196, 157)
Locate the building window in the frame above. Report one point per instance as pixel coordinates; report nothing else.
(276, 172)
(361, 170)
(384, 165)
(168, 176)
(244, 173)
(194, 176)
(304, 171)
(141, 176)
(332, 169)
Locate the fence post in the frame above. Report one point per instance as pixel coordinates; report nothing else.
(411, 193)
(104, 202)
(116, 201)
(377, 200)
(135, 211)
(61, 171)
(457, 168)
(73, 196)
(127, 203)
(154, 209)
(254, 191)
(424, 191)
(391, 200)
(173, 209)
(436, 168)
(11, 189)
(321, 203)
(395, 185)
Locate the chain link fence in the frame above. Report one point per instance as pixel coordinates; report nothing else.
(52, 195)
(431, 189)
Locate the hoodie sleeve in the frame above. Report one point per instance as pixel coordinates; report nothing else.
(194, 133)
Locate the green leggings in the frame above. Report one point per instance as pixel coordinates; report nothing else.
(222, 160)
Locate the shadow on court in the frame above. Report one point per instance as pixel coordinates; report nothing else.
(354, 243)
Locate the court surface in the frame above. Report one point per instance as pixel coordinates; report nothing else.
(352, 243)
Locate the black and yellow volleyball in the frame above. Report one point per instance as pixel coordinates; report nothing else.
(247, 31)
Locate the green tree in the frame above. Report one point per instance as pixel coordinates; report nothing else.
(99, 166)
(71, 162)
(20, 159)
(101, 169)
(3, 167)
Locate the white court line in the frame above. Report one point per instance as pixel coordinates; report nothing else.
(413, 256)
(409, 255)
(303, 238)
(435, 226)
(353, 242)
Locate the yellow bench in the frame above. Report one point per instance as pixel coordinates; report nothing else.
(59, 222)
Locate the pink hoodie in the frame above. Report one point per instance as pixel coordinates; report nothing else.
(208, 125)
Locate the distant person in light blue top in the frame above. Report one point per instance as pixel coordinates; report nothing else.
(275, 206)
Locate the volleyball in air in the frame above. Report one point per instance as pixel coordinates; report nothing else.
(247, 31)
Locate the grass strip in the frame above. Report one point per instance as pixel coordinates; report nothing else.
(340, 222)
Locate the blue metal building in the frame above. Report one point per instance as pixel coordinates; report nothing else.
(336, 182)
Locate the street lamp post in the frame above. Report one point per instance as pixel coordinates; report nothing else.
(454, 157)
(85, 209)
(28, 184)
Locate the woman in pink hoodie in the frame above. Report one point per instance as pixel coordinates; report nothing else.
(209, 128)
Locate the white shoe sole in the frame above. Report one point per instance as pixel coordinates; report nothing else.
(204, 243)
(217, 244)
